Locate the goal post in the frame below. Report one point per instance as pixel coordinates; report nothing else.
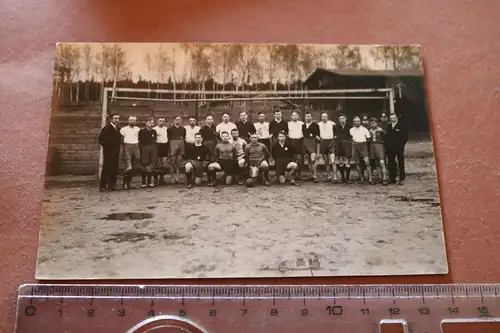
(238, 96)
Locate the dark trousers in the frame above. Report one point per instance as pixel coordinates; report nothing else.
(399, 155)
(109, 171)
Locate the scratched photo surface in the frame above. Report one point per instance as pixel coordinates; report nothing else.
(330, 171)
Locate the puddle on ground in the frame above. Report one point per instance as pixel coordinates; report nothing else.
(127, 216)
(130, 237)
(173, 237)
(431, 202)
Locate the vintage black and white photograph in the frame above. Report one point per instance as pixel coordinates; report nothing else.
(239, 160)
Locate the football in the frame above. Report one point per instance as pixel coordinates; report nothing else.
(250, 182)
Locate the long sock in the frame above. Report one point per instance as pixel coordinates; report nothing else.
(144, 176)
(189, 177)
(156, 174)
(149, 176)
(347, 172)
(129, 176)
(342, 171)
(213, 176)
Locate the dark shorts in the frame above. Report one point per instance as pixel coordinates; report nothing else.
(297, 145)
(266, 142)
(255, 163)
(162, 149)
(310, 145)
(211, 147)
(199, 167)
(177, 147)
(359, 150)
(377, 151)
(230, 167)
(343, 148)
(149, 155)
(327, 146)
(280, 166)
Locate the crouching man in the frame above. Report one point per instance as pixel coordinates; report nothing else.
(283, 155)
(257, 155)
(197, 159)
(225, 160)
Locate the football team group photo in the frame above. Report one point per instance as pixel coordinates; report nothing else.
(239, 160)
(243, 150)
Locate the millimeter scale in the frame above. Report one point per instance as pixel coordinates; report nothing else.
(463, 308)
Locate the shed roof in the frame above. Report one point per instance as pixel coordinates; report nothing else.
(357, 72)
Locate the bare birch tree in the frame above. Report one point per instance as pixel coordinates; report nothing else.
(398, 57)
(162, 65)
(102, 67)
(87, 68)
(223, 62)
(320, 56)
(149, 65)
(174, 77)
(247, 57)
(76, 70)
(118, 65)
(290, 60)
(63, 69)
(200, 62)
(306, 61)
(346, 56)
(273, 64)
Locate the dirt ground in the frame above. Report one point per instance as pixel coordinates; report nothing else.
(314, 229)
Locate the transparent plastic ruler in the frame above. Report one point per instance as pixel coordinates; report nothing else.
(259, 308)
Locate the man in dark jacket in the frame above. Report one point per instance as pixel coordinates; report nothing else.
(245, 128)
(395, 141)
(110, 140)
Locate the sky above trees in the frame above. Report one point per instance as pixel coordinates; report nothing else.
(236, 63)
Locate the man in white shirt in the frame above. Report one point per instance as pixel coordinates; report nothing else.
(360, 136)
(296, 140)
(225, 126)
(162, 148)
(191, 130)
(130, 135)
(327, 145)
(240, 145)
(262, 129)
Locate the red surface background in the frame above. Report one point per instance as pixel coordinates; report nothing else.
(461, 49)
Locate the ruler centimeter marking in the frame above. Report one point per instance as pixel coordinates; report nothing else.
(254, 308)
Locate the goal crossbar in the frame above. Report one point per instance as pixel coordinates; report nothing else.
(251, 92)
(257, 98)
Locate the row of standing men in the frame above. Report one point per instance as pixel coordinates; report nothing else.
(369, 143)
